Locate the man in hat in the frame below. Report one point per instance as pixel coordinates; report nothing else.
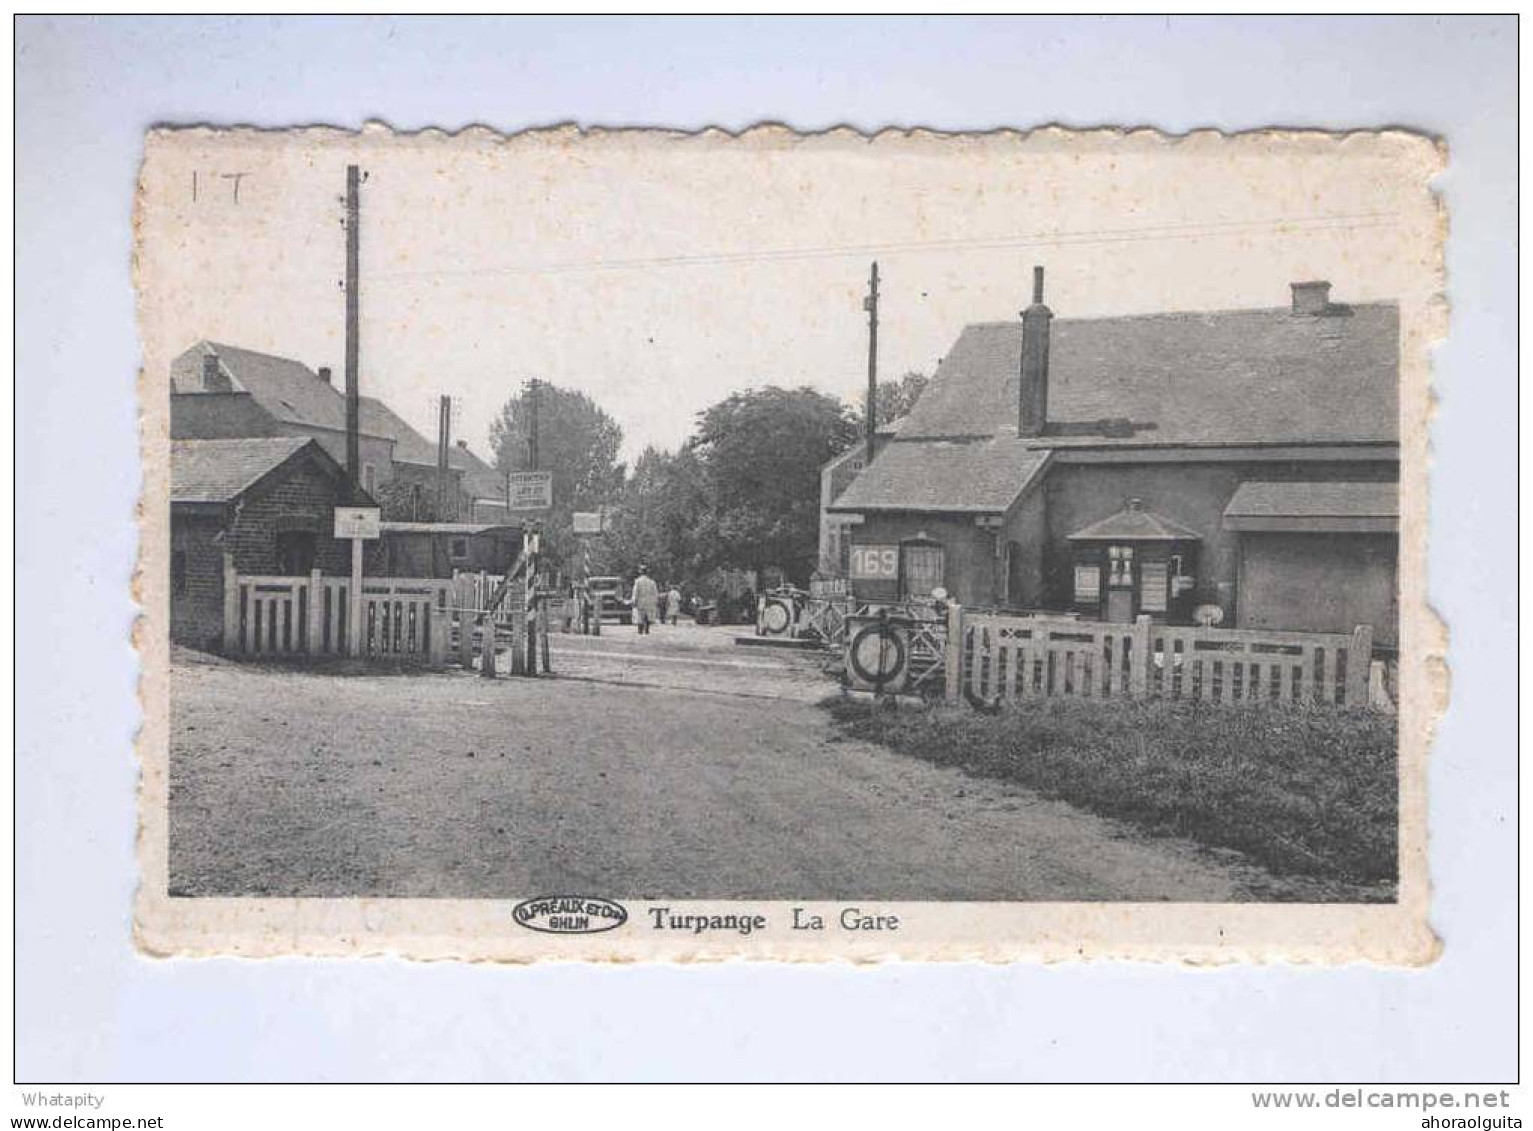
(645, 600)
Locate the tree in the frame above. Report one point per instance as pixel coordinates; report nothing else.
(402, 500)
(762, 451)
(894, 399)
(577, 442)
(663, 519)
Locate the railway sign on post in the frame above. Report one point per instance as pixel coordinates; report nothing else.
(362, 523)
(530, 490)
(358, 525)
(589, 522)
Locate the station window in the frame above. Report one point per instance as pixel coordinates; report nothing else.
(921, 568)
(1088, 583)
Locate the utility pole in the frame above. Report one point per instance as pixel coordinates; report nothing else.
(532, 433)
(443, 442)
(353, 323)
(870, 304)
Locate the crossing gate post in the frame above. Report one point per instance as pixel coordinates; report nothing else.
(465, 636)
(231, 606)
(439, 616)
(518, 636)
(316, 614)
(1359, 660)
(486, 645)
(532, 635)
(952, 661)
(1139, 658)
(354, 608)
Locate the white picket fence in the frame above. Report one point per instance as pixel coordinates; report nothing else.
(404, 619)
(992, 658)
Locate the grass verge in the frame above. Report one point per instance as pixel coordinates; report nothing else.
(1303, 791)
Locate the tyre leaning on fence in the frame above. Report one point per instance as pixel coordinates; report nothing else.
(876, 655)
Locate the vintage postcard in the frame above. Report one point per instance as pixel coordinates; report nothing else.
(632, 545)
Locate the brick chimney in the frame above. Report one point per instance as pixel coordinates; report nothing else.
(1311, 299)
(324, 374)
(1033, 399)
(213, 378)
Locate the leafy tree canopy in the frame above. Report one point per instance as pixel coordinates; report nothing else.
(577, 441)
(664, 519)
(895, 399)
(762, 451)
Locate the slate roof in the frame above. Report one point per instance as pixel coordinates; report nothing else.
(980, 476)
(1226, 377)
(288, 389)
(293, 393)
(1315, 500)
(480, 479)
(409, 445)
(219, 471)
(1135, 524)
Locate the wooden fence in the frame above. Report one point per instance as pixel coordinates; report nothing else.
(400, 618)
(993, 658)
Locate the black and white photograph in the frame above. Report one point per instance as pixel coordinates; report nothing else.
(602, 548)
(618, 526)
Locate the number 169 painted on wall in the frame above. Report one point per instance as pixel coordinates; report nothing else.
(875, 563)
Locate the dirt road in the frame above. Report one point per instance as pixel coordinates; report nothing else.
(677, 765)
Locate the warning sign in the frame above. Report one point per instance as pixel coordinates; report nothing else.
(531, 490)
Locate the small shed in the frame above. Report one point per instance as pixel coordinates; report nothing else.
(1318, 556)
(1133, 562)
(268, 503)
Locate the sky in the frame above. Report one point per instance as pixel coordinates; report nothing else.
(661, 272)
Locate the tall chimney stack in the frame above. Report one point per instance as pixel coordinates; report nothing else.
(325, 374)
(1033, 406)
(1311, 299)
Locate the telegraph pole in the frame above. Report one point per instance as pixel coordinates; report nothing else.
(353, 326)
(532, 433)
(870, 304)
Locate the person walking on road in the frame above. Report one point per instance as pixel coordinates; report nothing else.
(645, 600)
(673, 603)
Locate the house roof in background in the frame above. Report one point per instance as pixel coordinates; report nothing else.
(219, 471)
(982, 476)
(288, 389)
(1224, 377)
(294, 394)
(891, 429)
(409, 445)
(479, 477)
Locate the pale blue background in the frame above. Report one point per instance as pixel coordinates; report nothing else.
(88, 1009)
